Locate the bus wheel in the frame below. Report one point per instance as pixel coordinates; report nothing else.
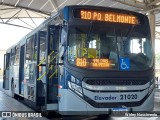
(12, 89)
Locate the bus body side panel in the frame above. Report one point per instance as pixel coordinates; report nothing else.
(70, 104)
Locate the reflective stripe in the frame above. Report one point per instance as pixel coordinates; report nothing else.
(41, 76)
(54, 57)
(42, 61)
(51, 53)
(45, 58)
(50, 66)
(53, 74)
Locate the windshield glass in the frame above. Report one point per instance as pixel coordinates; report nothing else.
(110, 46)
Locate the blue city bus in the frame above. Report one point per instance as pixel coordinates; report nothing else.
(84, 60)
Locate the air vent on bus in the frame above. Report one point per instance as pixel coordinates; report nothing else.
(116, 81)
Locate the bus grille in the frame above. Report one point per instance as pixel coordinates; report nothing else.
(116, 82)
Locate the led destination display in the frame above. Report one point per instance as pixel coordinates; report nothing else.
(100, 63)
(108, 16)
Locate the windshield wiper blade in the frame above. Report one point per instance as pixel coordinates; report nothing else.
(90, 30)
(129, 32)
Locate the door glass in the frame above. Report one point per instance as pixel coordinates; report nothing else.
(21, 69)
(4, 71)
(52, 88)
(42, 57)
(41, 78)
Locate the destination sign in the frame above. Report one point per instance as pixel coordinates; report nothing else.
(89, 62)
(108, 16)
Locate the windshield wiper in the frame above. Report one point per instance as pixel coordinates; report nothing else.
(90, 30)
(129, 32)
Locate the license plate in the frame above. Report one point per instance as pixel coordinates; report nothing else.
(119, 109)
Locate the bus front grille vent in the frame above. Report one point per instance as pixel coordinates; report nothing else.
(116, 82)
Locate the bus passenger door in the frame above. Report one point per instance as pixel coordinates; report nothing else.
(6, 71)
(52, 67)
(21, 70)
(47, 72)
(41, 69)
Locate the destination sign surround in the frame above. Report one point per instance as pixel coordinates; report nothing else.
(108, 16)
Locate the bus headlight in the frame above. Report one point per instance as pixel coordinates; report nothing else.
(75, 87)
(151, 87)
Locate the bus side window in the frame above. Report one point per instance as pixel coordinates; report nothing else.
(63, 37)
(30, 49)
(12, 56)
(17, 55)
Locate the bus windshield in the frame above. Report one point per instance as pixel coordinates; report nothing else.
(102, 46)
